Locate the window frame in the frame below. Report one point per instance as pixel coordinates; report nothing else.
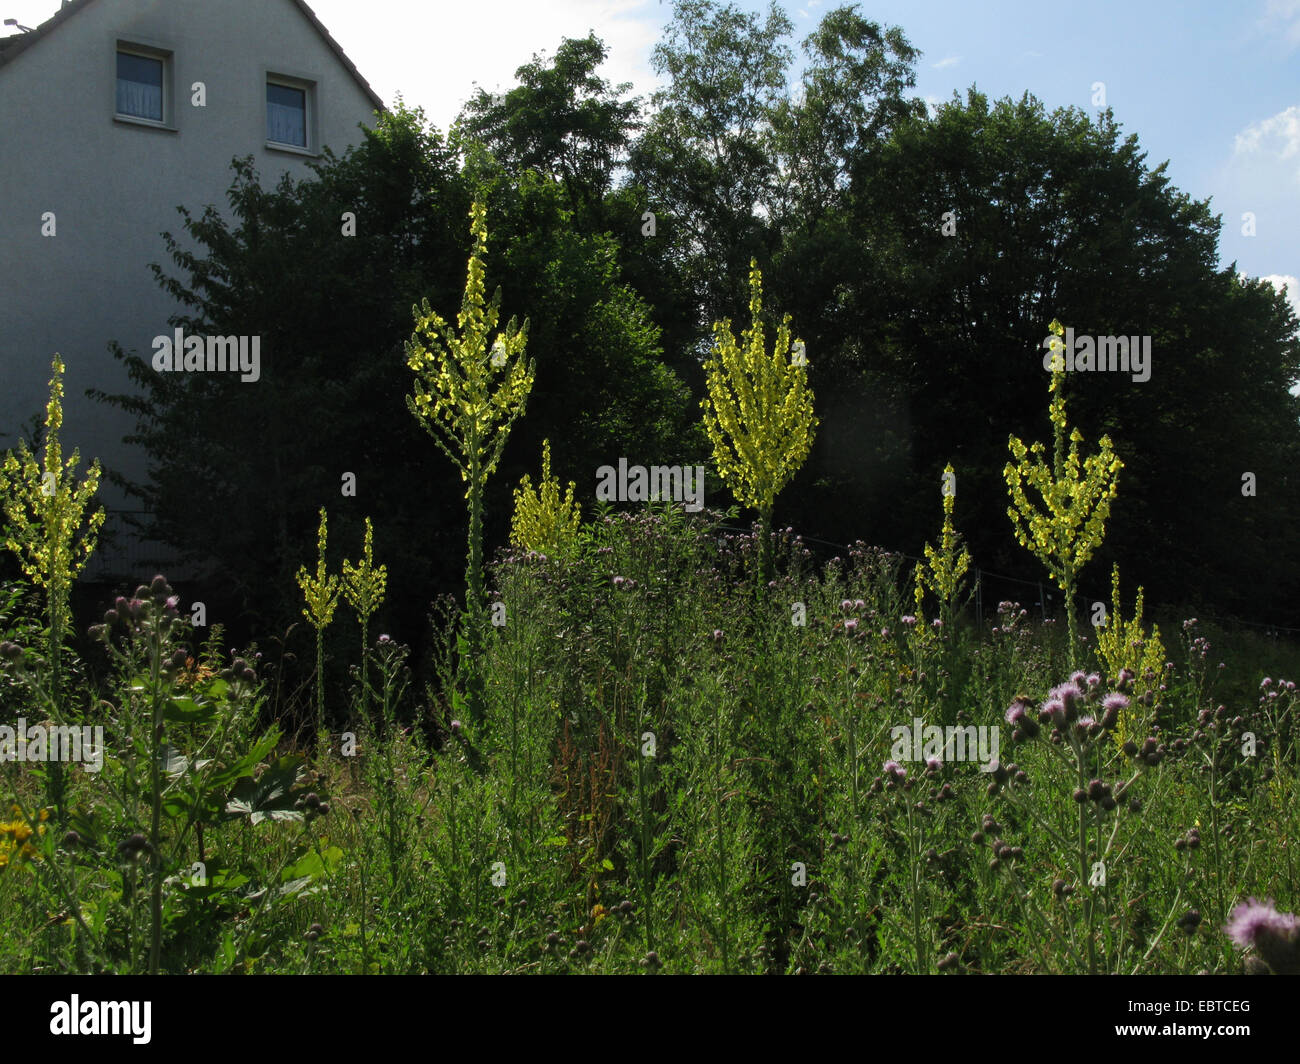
(311, 121)
(159, 53)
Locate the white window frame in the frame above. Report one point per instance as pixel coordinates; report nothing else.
(155, 51)
(311, 122)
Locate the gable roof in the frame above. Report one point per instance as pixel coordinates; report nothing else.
(16, 44)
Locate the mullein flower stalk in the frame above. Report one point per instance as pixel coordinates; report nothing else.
(364, 585)
(1066, 531)
(51, 528)
(322, 595)
(469, 416)
(758, 413)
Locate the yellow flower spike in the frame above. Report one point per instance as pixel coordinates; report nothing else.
(1117, 642)
(759, 409)
(45, 508)
(365, 584)
(1070, 524)
(322, 591)
(947, 565)
(544, 522)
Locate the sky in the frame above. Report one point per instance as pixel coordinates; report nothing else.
(1212, 86)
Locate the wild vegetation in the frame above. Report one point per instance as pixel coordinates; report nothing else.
(663, 746)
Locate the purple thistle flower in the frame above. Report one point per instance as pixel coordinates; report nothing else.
(851, 625)
(1275, 935)
(1069, 695)
(1016, 712)
(1052, 712)
(909, 620)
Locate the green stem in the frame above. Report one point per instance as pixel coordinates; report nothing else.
(155, 782)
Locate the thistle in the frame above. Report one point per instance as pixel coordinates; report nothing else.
(543, 521)
(468, 418)
(322, 595)
(1070, 526)
(364, 585)
(44, 508)
(759, 411)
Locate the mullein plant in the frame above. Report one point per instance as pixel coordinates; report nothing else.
(469, 414)
(944, 568)
(364, 585)
(322, 596)
(543, 521)
(759, 412)
(1126, 645)
(1076, 495)
(45, 509)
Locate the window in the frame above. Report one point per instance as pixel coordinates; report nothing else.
(286, 113)
(141, 78)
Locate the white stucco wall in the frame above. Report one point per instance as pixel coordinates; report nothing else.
(114, 186)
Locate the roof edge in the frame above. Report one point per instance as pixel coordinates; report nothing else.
(69, 8)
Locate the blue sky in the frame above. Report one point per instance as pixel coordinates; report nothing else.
(1213, 87)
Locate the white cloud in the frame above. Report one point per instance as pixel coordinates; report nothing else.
(1278, 280)
(433, 52)
(1278, 136)
(1282, 20)
(951, 61)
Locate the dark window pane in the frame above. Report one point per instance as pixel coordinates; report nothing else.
(286, 115)
(139, 86)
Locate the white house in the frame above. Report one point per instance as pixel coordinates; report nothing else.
(113, 113)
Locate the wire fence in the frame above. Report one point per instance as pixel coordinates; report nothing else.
(127, 556)
(1046, 595)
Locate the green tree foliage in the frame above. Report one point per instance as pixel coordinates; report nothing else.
(1053, 214)
(238, 471)
(561, 119)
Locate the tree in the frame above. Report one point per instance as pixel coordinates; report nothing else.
(928, 293)
(704, 159)
(239, 471)
(561, 120)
